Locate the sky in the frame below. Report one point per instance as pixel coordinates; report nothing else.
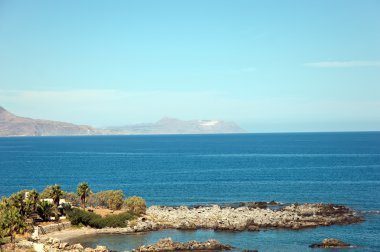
(270, 66)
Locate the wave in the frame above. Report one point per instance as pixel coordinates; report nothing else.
(370, 212)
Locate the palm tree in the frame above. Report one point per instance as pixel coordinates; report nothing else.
(83, 191)
(33, 200)
(11, 221)
(17, 200)
(45, 210)
(55, 194)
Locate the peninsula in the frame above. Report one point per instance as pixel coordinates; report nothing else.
(13, 125)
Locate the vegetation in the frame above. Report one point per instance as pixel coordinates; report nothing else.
(71, 197)
(136, 205)
(83, 191)
(12, 222)
(28, 204)
(116, 200)
(17, 200)
(108, 199)
(56, 193)
(45, 210)
(4, 240)
(25, 201)
(81, 217)
(32, 201)
(45, 194)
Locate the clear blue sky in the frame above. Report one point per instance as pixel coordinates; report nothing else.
(267, 65)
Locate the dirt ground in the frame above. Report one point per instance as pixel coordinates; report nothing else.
(104, 211)
(8, 248)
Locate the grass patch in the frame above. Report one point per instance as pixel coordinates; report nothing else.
(81, 217)
(4, 240)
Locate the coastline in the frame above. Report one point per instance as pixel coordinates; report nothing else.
(255, 217)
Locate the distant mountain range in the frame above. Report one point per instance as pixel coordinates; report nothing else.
(176, 126)
(13, 125)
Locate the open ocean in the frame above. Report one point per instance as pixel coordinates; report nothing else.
(341, 168)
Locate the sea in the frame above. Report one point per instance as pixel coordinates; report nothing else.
(339, 168)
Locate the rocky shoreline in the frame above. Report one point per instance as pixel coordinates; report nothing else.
(250, 218)
(242, 217)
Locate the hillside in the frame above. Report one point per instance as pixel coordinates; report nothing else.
(12, 125)
(176, 126)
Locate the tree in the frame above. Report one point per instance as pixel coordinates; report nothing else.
(11, 221)
(32, 201)
(83, 191)
(136, 205)
(109, 199)
(46, 193)
(56, 193)
(45, 210)
(115, 200)
(71, 198)
(18, 201)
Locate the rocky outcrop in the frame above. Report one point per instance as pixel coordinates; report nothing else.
(168, 245)
(59, 246)
(331, 243)
(250, 218)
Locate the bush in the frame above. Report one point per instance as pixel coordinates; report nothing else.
(45, 210)
(115, 201)
(71, 198)
(136, 205)
(108, 199)
(4, 240)
(78, 217)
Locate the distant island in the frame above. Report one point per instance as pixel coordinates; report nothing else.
(175, 126)
(13, 125)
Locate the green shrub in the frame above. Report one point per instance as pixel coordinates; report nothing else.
(71, 198)
(78, 217)
(45, 210)
(4, 240)
(115, 201)
(136, 205)
(108, 199)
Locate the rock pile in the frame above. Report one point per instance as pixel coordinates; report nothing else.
(58, 246)
(247, 218)
(168, 245)
(331, 243)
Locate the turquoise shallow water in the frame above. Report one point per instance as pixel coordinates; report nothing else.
(341, 168)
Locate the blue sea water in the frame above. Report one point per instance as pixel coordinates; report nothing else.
(342, 168)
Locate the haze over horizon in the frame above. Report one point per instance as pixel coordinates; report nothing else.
(270, 66)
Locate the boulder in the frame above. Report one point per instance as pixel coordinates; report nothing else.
(167, 244)
(77, 246)
(63, 245)
(331, 243)
(101, 249)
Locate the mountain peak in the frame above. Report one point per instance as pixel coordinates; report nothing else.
(5, 114)
(13, 125)
(169, 125)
